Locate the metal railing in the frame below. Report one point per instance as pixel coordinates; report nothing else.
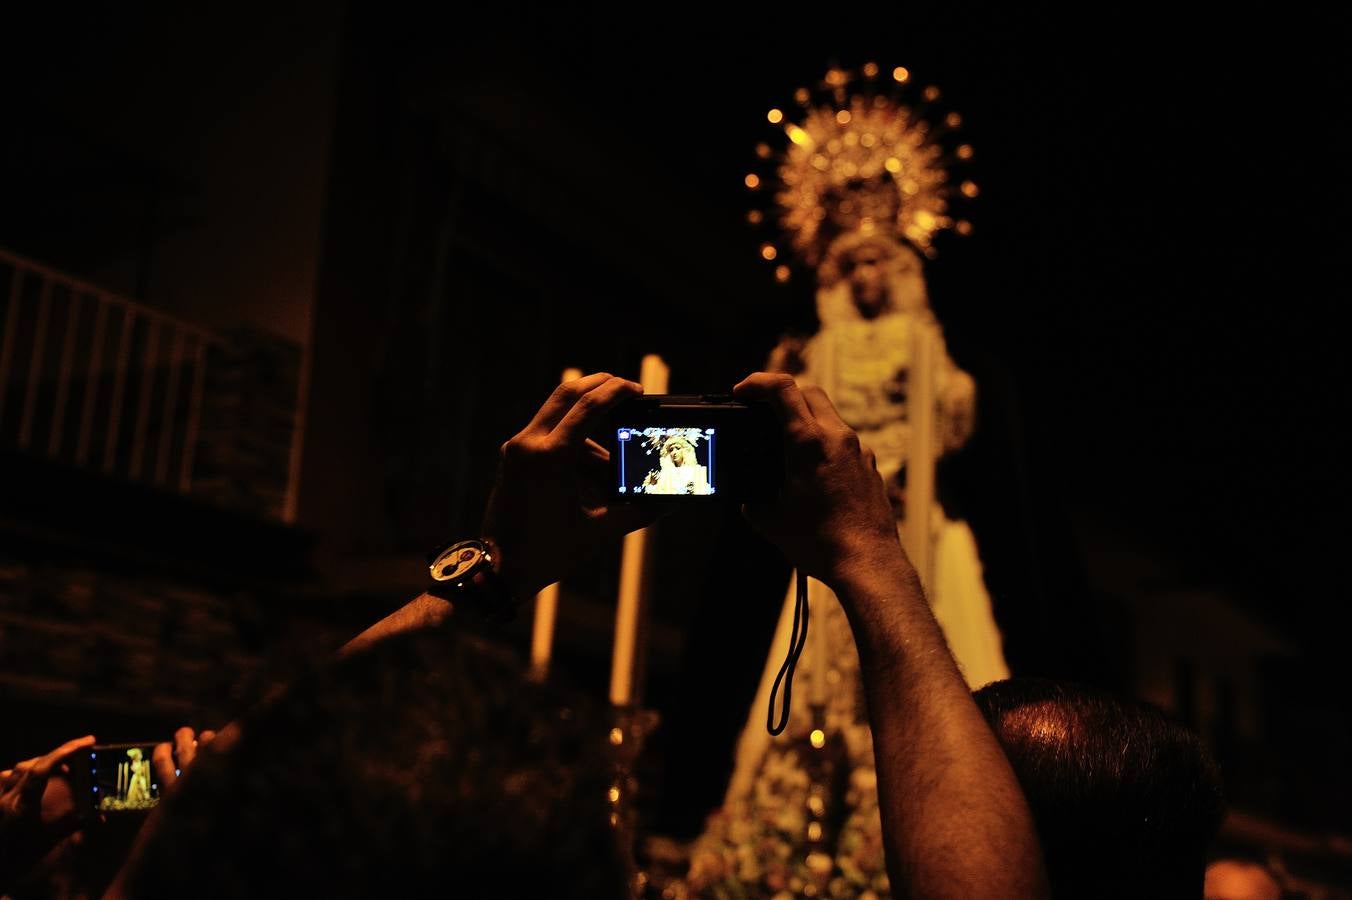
(98, 381)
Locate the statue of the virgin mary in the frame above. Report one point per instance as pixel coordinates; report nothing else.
(864, 185)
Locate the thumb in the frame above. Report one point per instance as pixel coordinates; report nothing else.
(618, 519)
(35, 778)
(68, 822)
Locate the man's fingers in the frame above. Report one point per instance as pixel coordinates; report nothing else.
(37, 771)
(622, 518)
(206, 737)
(782, 393)
(562, 400)
(43, 765)
(185, 744)
(71, 746)
(762, 515)
(226, 737)
(592, 407)
(597, 451)
(162, 763)
(823, 409)
(61, 827)
(595, 474)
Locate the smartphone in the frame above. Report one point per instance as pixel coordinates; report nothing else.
(695, 448)
(118, 778)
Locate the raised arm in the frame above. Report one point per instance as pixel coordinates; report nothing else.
(955, 822)
(548, 509)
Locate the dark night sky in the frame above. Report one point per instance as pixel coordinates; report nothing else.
(1154, 264)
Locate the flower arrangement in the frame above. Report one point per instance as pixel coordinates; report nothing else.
(777, 843)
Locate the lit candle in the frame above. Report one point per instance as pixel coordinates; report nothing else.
(819, 663)
(546, 608)
(542, 634)
(653, 375)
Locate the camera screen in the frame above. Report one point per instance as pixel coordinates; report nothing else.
(120, 778)
(667, 461)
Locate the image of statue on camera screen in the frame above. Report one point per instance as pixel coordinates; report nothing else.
(122, 780)
(683, 457)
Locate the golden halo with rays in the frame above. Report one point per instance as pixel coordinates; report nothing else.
(862, 160)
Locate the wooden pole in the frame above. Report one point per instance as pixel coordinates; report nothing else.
(624, 667)
(920, 457)
(546, 607)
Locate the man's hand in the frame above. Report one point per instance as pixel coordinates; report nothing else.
(27, 831)
(170, 761)
(833, 515)
(955, 823)
(548, 509)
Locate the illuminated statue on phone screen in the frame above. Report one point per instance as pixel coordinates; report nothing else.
(132, 788)
(138, 784)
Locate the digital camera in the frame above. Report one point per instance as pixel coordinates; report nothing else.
(117, 778)
(697, 448)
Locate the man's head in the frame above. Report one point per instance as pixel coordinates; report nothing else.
(424, 766)
(1125, 801)
(1240, 879)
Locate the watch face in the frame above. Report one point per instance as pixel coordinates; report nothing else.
(456, 561)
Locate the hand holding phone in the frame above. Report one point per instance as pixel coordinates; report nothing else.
(119, 778)
(27, 831)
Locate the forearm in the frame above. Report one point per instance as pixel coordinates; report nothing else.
(955, 822)
(423, 611)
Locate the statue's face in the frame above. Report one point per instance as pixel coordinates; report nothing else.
(866, 270)
(678, 456)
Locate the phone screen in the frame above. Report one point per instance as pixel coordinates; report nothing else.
(121, 778)
(667, 460)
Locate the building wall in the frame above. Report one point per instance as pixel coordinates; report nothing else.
(179, 158)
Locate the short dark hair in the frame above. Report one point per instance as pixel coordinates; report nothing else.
(1125, 801)
(424, 766)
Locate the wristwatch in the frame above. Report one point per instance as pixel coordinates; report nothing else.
(463, 572)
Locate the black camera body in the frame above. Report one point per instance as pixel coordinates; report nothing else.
(695, 448)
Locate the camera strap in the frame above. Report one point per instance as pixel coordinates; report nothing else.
(797, 638)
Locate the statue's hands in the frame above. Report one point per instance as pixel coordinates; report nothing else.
(957, 410)
(37, 810)
(833, 514)
(894, 388)
(548, 509)
(789, 355)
